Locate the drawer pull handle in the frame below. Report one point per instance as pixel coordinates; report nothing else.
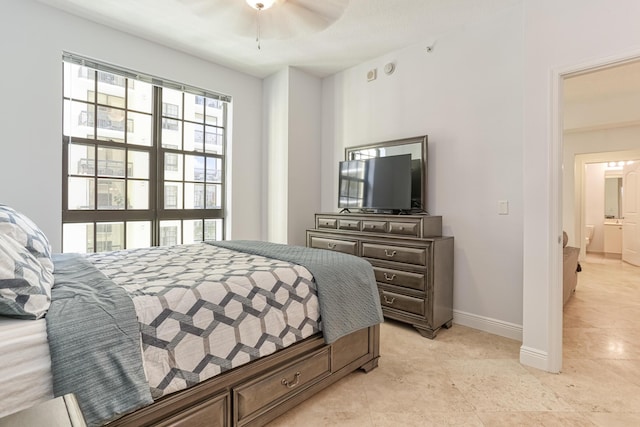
(389, 254)
(401, 228)
(389, 278)
(292, 384)
(331, 245)
(389, 301)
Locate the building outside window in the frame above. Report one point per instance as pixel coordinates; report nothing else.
(127, 185)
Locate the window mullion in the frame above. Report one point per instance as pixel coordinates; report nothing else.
(157, 172)
(126, 153)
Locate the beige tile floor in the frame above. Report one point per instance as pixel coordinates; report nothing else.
(466, 377)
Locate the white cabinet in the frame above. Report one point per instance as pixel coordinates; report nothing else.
(613, 238)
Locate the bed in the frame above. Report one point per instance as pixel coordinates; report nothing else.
(214, 333)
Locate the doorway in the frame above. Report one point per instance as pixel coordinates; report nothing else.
(588, 188)
(592, 120)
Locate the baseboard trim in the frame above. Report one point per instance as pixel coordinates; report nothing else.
(534, 358)
(528, 356)
(487, 324)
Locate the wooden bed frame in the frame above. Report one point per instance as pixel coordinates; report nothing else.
(258, 392)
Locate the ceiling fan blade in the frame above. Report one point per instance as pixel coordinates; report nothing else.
(234, 16)
(285, 19)
(294, 18)
(331, 10)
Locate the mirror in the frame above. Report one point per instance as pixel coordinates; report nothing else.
(417, 147)
(612, 197)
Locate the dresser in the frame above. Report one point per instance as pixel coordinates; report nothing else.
(412, 262)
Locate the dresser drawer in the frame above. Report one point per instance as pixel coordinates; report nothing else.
(349, 224)
(407, 255)
(327, 223)
(402, 302)
(375, 226)
(400, 278)
(345, 246)
(268, 389)
(211, 413)
(404, 228)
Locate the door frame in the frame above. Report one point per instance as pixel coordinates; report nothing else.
(554, 360)
(631, 258)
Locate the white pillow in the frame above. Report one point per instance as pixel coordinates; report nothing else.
(25, 284)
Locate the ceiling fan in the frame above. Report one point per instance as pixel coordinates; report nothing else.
(273, 19)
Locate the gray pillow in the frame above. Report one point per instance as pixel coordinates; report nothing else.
(25, 284)
(20, 228)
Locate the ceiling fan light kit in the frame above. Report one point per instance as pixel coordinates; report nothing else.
(261, 5)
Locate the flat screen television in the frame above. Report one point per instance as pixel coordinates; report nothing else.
(379, 184)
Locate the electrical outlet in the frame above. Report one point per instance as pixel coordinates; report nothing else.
(503, 207)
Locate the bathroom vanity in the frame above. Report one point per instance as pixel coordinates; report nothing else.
(613, 237)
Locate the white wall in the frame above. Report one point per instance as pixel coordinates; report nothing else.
(594, 203)
(34, 37)
(466, 95)
(304, 154)
(557, 36)
(276, 107)
(292, 122)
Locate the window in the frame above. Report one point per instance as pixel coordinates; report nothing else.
(171, 196)
(143, 161)
(171, 162)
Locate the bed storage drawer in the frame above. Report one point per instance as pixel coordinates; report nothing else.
(403, 254)
(212, 413)
(266, 391)
(345, 246)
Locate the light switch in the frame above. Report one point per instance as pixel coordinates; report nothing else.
(503, 207)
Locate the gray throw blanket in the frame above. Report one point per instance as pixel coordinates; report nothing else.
(94, 340)
(347, 289)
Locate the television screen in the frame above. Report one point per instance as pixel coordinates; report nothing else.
(378, 183)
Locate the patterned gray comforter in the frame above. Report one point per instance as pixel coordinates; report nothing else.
(204, 310)
(201, 310)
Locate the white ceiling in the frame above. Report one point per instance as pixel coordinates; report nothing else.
(223, 31)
